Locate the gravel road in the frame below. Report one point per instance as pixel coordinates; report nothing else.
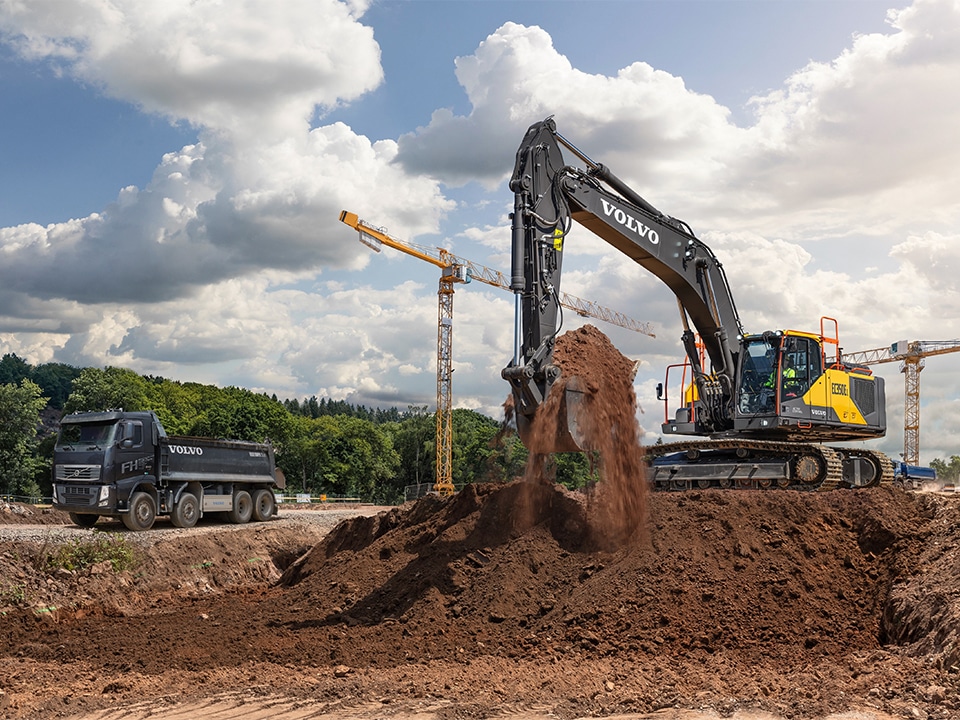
(325, 517)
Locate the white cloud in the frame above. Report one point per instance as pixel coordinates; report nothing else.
(262, 190)
(252, 65)
(516, 77)
(857, 145)
(215, 212)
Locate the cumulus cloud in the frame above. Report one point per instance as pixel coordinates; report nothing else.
(843, 147)
(262, 190)
(859, 140)
(516, 77)
(254, 65)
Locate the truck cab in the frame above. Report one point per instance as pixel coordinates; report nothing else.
(99, 460)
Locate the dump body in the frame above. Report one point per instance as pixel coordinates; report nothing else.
(123, 464)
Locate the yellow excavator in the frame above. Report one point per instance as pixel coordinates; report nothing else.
(760, 405)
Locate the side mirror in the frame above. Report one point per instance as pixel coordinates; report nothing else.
(659, 391)
(126, 443)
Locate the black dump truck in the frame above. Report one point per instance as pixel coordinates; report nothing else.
(123, 464)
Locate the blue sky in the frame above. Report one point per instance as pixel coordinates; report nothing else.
(731, 49)
(172, 178)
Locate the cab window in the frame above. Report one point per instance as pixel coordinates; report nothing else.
(802, 364)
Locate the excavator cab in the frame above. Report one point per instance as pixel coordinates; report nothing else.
(776, 367)
(758, 373)
(787, 390)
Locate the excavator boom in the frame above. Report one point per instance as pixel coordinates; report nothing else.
(548, 195)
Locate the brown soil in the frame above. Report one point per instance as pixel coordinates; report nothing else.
(513, 600)
(607, 430)
(796, 604)
(20, 514)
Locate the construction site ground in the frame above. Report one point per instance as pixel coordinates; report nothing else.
(503, 600)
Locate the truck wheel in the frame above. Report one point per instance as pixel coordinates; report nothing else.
(142, 512)
(186, 512)
(242, 507)
(84, 520)
(264, 505)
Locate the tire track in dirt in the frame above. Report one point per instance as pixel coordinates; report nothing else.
(241, 707)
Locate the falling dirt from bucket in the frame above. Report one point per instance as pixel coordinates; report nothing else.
(606, 428)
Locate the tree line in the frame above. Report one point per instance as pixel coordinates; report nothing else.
(323, 446)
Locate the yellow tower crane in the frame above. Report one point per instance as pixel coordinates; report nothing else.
(911, 355)
(453, 270)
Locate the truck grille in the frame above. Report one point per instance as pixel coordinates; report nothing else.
(79, 495)
(84, 473)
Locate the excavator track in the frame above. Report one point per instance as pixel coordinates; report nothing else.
(762, 464)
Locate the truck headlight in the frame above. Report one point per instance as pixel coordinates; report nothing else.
(104, 495)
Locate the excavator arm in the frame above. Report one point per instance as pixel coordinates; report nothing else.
(548, 195)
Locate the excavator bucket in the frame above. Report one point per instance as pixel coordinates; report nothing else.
(560, 424)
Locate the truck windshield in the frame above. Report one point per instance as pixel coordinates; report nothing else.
(86, 436)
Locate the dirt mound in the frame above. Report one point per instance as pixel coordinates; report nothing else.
(730, 589)
(13, 513)
(778, 574)
(733, 600)
(423, 561)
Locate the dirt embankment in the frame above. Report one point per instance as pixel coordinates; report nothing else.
(13, 513)
(50, 566)
(799, 605)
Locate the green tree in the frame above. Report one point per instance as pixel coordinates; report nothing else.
(56, 381)
(177, 404)
(20, 406)
(475, 457)
(947, 470)
(110, 388)
(240, 414)
(298, 461)
(13, 369)
(415, 440)
(341, 455)
(373, 462)
(575, 469)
